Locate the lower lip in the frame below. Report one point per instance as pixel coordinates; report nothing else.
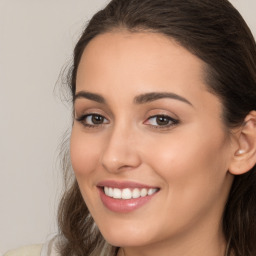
(123, 205)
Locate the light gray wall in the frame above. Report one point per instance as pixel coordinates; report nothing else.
(36, 41)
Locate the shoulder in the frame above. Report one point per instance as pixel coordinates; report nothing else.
(50, 248)
(32, 250)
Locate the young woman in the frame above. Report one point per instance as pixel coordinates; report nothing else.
(163, 143)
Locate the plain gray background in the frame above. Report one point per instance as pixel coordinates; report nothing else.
(36, 42)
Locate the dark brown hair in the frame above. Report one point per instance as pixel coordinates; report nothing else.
(214, 31)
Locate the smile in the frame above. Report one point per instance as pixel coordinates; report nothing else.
(128, 193)
(124, 197)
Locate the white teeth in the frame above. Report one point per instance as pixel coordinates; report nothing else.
(128, 193)
(117, 193)
(151, 191)
(110, 192)
(106, 190)
(136, 193)
(143, 192)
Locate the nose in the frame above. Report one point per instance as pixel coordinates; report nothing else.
(120, 152)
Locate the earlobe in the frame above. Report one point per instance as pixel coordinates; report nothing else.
(240, 152)
(244, 157)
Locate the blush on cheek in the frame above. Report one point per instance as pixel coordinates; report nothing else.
(185, 158)
(83, 162)
(83, 157)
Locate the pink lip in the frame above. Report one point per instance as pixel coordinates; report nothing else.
(120, 205)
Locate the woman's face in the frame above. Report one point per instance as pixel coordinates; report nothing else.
(148, 132)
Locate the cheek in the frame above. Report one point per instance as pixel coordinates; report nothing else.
(192, 157)
(83, 152)
(193, 169)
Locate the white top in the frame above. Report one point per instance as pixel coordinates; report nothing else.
(32, 250)
(47, 249)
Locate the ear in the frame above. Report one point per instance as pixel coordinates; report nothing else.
(244, 155)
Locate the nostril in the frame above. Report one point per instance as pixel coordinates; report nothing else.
(119, 154)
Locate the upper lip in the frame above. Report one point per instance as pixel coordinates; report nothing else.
(123, 184)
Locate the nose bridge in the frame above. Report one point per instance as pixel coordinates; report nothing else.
(120, 151)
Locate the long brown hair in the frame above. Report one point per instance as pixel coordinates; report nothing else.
(215, 32)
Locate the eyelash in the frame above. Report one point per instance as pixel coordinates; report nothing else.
(171, 121)
(82, 120)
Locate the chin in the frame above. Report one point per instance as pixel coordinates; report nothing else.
(126, 242)
(122, 237)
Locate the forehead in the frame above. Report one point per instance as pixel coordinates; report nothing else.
(121, 62)
(137, 46)
(138, 53)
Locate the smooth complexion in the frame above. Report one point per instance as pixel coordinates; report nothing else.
(143, 115)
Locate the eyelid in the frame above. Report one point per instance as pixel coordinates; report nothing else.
(81, 119)
(81, 111)
(172, 121)
(89, 114)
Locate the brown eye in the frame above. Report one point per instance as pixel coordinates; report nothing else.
(161, 121)
(92, 120)
(97, 119)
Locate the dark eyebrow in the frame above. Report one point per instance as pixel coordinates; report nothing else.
(140, 99)
(90, 96)
(152, 96)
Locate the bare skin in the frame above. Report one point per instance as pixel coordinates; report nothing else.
(176, 141)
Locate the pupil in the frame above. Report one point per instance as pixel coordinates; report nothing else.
(97, 119)
(162, 120)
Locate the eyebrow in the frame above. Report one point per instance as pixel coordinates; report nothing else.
(140, 99)
(90, 96)
(152, 96)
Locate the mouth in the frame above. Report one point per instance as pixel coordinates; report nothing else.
(128, 193)
(124, 197)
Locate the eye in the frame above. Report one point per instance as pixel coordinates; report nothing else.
(161, 121)
(92, 120)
